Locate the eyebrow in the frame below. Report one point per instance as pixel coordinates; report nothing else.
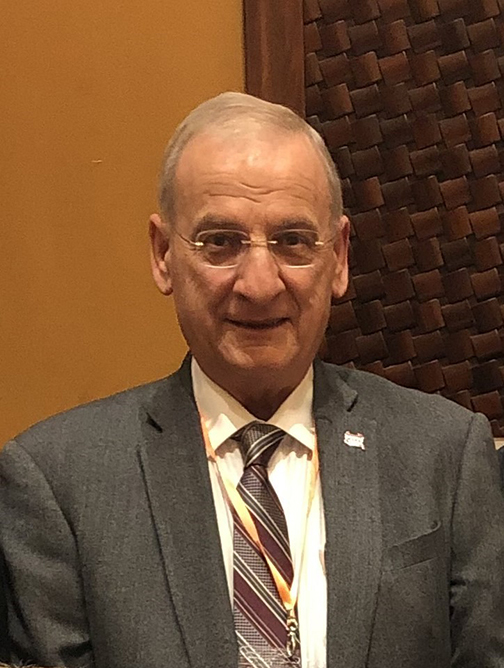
(299, 223)
(213, 222)
(216, 222)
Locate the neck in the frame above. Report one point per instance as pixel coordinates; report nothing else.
(261, 394)
(263, 406)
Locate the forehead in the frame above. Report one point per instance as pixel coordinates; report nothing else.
(265, 175)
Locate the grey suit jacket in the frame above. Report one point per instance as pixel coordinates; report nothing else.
(111, 541)
(4, 641)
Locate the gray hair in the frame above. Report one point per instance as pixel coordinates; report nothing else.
(235, 112)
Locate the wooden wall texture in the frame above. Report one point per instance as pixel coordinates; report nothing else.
(409, 95)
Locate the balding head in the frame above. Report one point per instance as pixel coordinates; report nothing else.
(237, 115)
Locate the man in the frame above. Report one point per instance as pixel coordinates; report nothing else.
(169, 525)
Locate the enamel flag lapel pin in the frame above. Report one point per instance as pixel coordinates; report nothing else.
(354, 440)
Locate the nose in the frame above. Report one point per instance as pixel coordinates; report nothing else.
(258, 276)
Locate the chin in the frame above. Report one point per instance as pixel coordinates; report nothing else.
(264, 357)
(264, 368)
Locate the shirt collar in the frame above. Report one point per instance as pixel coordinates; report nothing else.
(223, 415)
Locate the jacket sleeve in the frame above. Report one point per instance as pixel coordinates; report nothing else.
(4, 641)
(47, 623)
(477, 575)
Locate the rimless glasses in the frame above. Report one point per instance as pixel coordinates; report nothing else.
(224, 249)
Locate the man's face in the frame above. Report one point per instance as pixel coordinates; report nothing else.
(259, 322)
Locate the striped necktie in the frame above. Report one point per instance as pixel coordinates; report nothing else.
(259, 615)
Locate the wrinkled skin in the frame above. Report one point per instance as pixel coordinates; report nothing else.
(256, 328)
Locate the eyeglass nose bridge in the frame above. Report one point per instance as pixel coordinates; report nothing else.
(259, 243)
(269, 244)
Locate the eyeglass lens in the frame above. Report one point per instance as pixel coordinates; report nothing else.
(225, 248)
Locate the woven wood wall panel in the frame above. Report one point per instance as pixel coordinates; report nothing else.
(409, 95)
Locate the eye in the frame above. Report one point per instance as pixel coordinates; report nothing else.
(219, 239)
(296, 238)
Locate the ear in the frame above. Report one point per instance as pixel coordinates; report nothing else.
(340, 279)
(159, 253)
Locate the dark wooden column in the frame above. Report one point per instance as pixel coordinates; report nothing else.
(274, 51)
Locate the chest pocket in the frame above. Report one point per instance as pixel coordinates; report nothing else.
(415, 550)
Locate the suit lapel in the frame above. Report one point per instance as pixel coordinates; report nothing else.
(349, 477)
(176, 476)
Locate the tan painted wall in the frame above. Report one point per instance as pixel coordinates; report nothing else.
(92, 93)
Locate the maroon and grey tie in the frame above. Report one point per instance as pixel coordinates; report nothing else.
(259, 615)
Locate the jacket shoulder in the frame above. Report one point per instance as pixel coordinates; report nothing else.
(111, 418)
(385, 398)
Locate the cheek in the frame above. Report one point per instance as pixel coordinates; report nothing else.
(315, 294)
(319, 306)
(197, 289)
(315, 312)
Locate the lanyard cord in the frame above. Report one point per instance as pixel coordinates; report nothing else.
(288, 595)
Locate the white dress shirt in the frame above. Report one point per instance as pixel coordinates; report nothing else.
(290, 473)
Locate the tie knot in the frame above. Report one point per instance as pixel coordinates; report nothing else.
(258, 442)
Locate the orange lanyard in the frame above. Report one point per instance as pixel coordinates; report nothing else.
(288, 595)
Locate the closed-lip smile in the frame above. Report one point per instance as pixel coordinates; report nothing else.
(269, 323)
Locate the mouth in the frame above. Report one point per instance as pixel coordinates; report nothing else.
(271, 323)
